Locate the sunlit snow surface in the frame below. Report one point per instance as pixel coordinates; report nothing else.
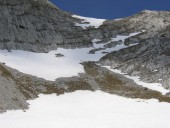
(47, 65)
(84, 109)
(87, 22)
(81, 109)
(50, 67)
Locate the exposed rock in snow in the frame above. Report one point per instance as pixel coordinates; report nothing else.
(47, 66)
(153, 86)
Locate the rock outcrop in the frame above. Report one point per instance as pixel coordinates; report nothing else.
(150, 59)
(16, 88)
(38, 26)
(149, 21)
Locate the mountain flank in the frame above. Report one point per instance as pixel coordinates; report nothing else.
(39, 26)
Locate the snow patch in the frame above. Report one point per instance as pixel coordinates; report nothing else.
(50, 67)
(118, 19)
(95, 40)
(87, 22)
(47, 65)
(85, 109)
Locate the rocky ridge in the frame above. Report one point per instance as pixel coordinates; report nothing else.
(150, 58)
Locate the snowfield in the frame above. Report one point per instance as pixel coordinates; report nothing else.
(50, 67)
(81, 109)
(85, 109)
(47, 65)
(88, 22)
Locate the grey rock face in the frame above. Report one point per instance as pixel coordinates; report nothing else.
(10, 96)
(151, 21)
(37, 25)
(150, 59)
